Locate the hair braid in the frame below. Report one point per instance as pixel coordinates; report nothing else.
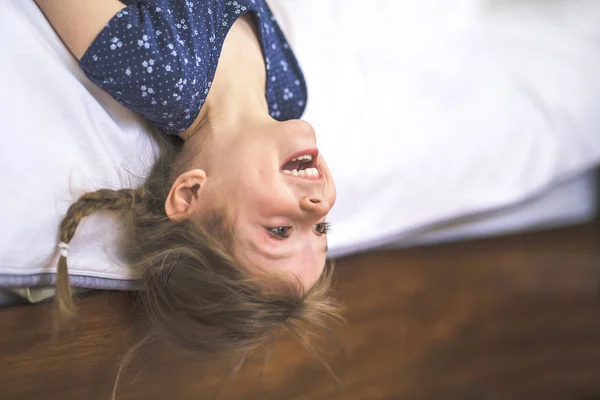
(101, 200)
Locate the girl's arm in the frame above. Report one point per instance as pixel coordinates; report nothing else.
(78, 22)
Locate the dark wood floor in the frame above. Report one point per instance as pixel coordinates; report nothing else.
(509, 318)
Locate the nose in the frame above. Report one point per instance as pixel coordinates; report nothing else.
(300, 129)
(318, 207)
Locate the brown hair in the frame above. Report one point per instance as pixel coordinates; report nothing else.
(197, 297)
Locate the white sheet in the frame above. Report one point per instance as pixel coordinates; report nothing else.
(62, 136)
(426, 111)
(572, 202)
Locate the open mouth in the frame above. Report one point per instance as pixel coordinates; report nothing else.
(303, 165)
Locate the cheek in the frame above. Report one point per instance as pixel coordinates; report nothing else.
(265, 190)
(332, 194)
(273, 201)
(247, 182)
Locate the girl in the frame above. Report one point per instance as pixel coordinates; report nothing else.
(230, 227)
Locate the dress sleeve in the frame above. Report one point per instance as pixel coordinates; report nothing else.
(154, 58)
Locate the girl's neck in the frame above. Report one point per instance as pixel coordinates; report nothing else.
(237, 91)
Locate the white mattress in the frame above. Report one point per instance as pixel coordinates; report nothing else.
(427, 111)
(571, 202)
(455, 108)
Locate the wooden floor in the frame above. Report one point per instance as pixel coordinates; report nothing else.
(510, 318)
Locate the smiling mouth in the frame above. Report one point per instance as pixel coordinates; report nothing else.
(302, 165)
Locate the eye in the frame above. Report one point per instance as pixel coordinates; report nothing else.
(323, 228)
(281, 231)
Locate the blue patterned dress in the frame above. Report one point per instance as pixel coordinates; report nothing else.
(159, 57)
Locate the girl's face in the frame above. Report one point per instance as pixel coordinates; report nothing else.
(279, 190)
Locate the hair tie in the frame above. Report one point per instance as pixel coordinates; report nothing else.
(64, 249)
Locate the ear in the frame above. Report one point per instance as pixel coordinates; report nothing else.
(183, 199)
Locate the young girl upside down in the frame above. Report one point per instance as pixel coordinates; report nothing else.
(229, 229)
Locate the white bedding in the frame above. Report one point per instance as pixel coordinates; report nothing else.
(426, 111)
(572, 202)
(462, 107)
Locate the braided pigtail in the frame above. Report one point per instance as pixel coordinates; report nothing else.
(123, 200)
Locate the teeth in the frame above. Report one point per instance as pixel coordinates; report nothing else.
(309, 172)
(307, 157)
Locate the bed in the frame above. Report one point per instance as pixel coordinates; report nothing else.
(476, 118)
